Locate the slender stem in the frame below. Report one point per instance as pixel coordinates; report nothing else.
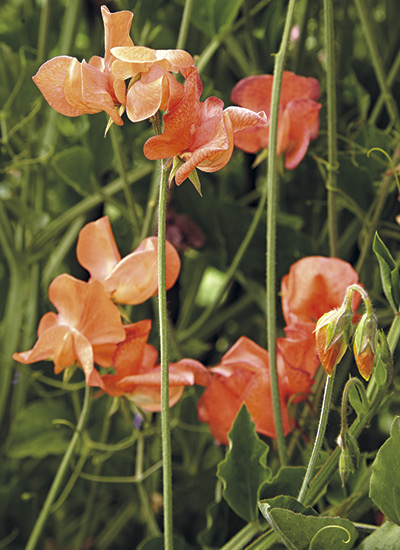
(43, 33)
(122, 172)
(389, 81)
(377, 63)
(271, 232)
(143, 496)
(184, 29)
(204, 317)
(331, 127)
(243, 537)
(163, 327)
(44, 514)
(319, 437)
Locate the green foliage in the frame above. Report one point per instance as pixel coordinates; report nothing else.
(246, 464)
(385, 479)
(389, 273)
(387, 536)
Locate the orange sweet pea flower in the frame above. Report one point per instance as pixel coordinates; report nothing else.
(152, 87)
(138, 378)
(131, 280)
(242, 377)
(314, 286)
(199, 134)
(86, 329)
(298, 120)
(74, 88)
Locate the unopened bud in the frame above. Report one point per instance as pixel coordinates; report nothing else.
(332, 337)
(364, 345)
(349, 457)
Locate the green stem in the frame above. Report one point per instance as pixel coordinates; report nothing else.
(390, 80)
(143, 496)
(163, 328)
(331, 127)
(243, 537)
(134, 220)
(183, 31)
(319, 437)
(44, 514)
(271, 232)
(377, 63)
(43, 31)
(207, 313)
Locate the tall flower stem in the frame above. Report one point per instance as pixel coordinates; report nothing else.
(271, 183)
(163, 327)
(331, 125)
(319, 437)
(44, 514)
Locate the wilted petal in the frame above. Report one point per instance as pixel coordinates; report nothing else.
(50, 80)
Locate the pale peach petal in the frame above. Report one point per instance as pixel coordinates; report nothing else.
(50, 80)
(138, 59)
(116, 31)
(96, 249)
(45, 347)
(245, 118)
(48, 320)
(146, 96)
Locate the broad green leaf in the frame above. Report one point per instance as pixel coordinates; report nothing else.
(244, 471)
(35, 432)
(286, 503)
(301, 532)
(389, 273)
(287, 481)
(216, 531)
(384, 488)
(385, 538)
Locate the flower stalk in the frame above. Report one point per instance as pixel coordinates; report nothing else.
(271, 182)
(62, 469)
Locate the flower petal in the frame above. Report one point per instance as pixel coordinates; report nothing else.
(96, 249)
(50, 80)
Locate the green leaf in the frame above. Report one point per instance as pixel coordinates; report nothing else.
(358, 400)
(213, 16)
(243, 472)
(387, 536)
(389, 273)
(287, 481)
(384, 488)
(287, 503)
(35, 432)
(305, 532)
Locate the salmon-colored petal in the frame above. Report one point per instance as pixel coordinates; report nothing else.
(245, 118)
(252, 140)
(96, 249)
(50, 80)
(48, 320)
(246, 351)
(138, 59)
(45, 347)
(90, 90)
(156, 90)
(116, 31)
(84, 353)
(180, 124)
(295, 87)
(86, 308)
(303, 115)
(129, 354)
(254, 92)
(314, 286)
(149, 397)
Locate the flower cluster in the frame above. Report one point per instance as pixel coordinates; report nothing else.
(312, 287)
(88, 328)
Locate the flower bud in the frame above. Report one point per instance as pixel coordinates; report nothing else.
(332, 337)
(364, 345)
(349, 456)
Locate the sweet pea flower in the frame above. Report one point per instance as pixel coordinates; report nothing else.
(152, 86)
(86, 329)
(298, 120)
(314, 286)
(131, 280)
(74, 88)
(243, 376)
(137, 376)
(199, 134)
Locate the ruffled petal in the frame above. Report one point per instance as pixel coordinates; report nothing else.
(50, 80)
(46, 347)
(116, 31)
(96, 249)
